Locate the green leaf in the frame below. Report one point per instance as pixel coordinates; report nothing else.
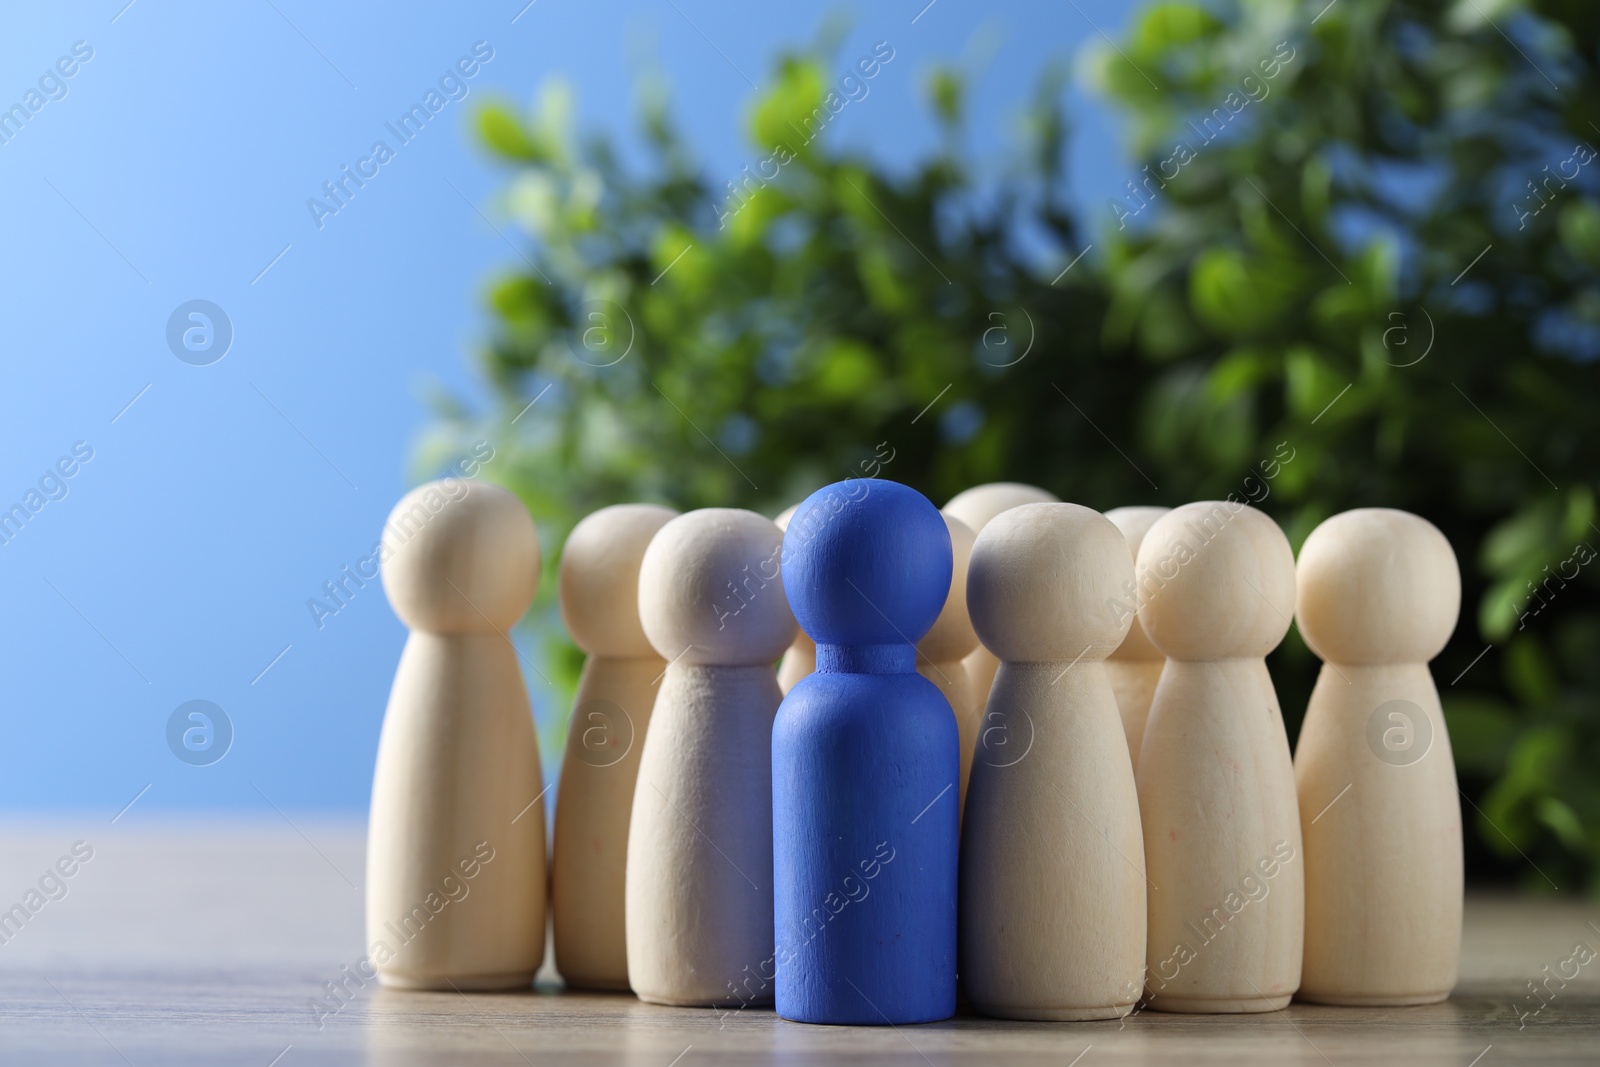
(846, 370)
(1313, 385)
(754, 215)
(945, 89)
(1230, 295)
(1522, 542)
(519, 299)
(1240, 372)
(1564, 822)
(791, 113)
(1169, 27)
(1579, 225)
(1481, 733)
(1506, 607)
(674, 256)
(1535, 764)
(499, 129)
(1530, 672)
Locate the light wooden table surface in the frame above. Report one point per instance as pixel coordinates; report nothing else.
(203, 942)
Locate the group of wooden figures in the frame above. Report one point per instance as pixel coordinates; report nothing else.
(1015, 741)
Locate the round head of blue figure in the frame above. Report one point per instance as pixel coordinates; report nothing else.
(866, 562)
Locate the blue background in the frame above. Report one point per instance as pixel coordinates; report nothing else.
(177, 167)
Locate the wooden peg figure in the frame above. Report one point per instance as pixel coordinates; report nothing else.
(801, 659)
(976, 507)
(455, 846)
(599, 592)
(1135, 667)
(699, 874)
(1216, 786)
(1378, 596)
(1052, 856)
(942, 653)
(865, 767)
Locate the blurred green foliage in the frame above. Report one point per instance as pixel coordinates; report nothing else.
(1366, 241)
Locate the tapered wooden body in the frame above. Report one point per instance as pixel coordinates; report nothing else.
(942, 652)
(954, 682)
(1222, 841)
(1134, 683)
(699, 885)
(1052, 864)
(864, 771)
(981, 669)
(605, 740)
(458, 765)
(1135, 666)
(1383, 860)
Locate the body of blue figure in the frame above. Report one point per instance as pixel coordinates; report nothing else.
(865, 765)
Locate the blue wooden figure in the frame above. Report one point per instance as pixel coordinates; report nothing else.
(865, 767)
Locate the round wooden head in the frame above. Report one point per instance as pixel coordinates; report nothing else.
(599, 585)
(1134, 523)
(978, 505)
(952, 636)
(1215, 581)
(710, 592)
(460, 556)
(1044, 584)
(1377, 585)
(785, 515)
(867, 562)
